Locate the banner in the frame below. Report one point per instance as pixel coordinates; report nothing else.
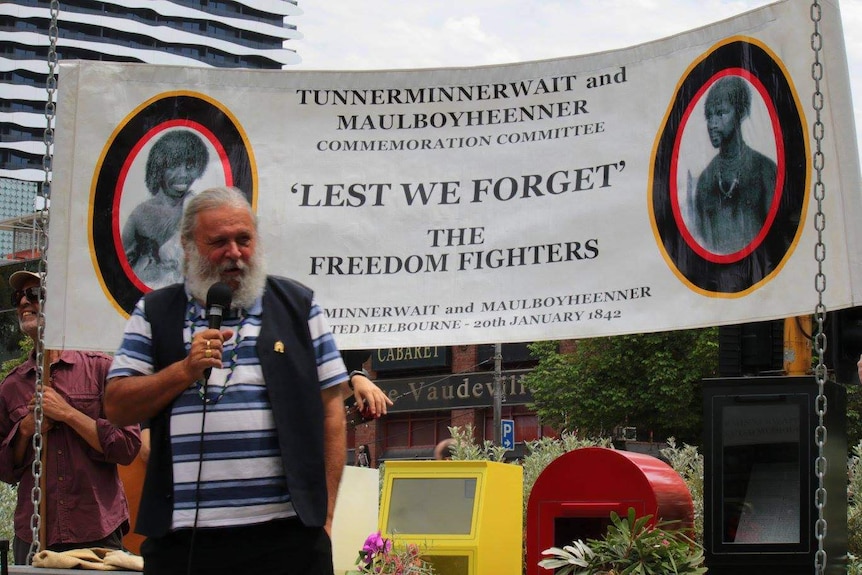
(659, 187)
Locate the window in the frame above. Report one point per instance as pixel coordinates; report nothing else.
(423, 429)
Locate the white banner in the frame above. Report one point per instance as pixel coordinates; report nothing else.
(659, 187)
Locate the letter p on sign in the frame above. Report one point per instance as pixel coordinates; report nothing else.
(508, 433)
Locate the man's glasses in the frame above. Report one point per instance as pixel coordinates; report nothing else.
(32, 293)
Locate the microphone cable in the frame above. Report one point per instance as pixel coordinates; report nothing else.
(218, 300)
(198, 482)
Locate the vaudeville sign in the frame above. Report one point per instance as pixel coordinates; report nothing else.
(658, 187)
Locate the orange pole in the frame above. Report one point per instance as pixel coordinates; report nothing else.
(797, 345)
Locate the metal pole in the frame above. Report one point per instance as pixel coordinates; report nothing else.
(498, 394)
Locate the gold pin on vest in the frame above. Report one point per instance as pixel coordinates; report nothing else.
(278, 347)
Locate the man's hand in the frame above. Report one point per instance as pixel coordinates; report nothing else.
(206, 352)
(27, 429)
(56, 409)
(54, 406)
(28, 424)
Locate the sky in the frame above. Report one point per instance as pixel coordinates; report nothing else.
(396, 34)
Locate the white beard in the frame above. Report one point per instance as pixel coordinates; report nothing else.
(201, 275)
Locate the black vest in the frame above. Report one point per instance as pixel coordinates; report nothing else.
(286, 353)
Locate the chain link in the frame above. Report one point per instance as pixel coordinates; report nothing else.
(820, 343)
(43, 197)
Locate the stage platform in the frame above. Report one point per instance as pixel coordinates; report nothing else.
(29, 569)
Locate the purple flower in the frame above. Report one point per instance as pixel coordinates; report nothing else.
(375, 543)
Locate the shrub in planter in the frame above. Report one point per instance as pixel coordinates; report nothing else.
(631, 546)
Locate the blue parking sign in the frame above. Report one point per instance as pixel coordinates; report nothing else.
(507, 427)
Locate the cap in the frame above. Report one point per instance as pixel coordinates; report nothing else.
(21, 277)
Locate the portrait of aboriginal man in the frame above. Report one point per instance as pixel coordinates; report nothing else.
(734, 193)
(151, 234)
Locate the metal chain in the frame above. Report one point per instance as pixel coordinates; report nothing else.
(41, 223)
(820, 371)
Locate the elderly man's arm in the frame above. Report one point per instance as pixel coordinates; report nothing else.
(334, 446)
(133, 399)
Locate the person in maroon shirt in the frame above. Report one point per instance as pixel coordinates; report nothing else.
(86, 505)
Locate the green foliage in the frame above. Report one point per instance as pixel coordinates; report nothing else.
(8, 502)
(568, 559)
(9, 493)
(464, 447)
(630, 546)
(10, 333)
(649, 381)
(854, 414)
(854, 506)
(26, 346)
(688, 463)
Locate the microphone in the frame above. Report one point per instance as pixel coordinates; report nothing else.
(218, 300)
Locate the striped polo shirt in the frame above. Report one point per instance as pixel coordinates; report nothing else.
(227, 464)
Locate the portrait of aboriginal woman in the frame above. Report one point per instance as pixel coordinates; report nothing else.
(151, 234)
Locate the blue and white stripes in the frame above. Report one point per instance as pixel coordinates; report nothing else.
(237, 455)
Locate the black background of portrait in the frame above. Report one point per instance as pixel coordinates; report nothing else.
(105, 244)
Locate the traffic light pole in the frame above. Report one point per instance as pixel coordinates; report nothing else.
(498, 394)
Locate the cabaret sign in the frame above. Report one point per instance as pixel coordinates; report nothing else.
(391, 358)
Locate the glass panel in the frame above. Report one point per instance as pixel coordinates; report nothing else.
(422, 433)
(526, 428)
(761, 474)
(449, 564)
(434, 505)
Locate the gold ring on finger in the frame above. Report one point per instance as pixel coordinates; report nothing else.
(209, 353)
(208, 343)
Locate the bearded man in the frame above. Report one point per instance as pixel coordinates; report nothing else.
(247, 423)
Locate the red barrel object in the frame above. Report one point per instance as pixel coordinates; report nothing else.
(574, 496)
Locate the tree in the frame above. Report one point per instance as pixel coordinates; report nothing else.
(9, 493)
(647, 381)
(10, 335)
(854, 415)
(25, 346)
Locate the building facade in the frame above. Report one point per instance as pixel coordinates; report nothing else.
(211, 33)
(437, 387)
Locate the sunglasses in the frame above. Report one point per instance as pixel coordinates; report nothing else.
(32, 293)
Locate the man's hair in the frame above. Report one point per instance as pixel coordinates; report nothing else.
(733, 89)
(210, 199)
(172, 149)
